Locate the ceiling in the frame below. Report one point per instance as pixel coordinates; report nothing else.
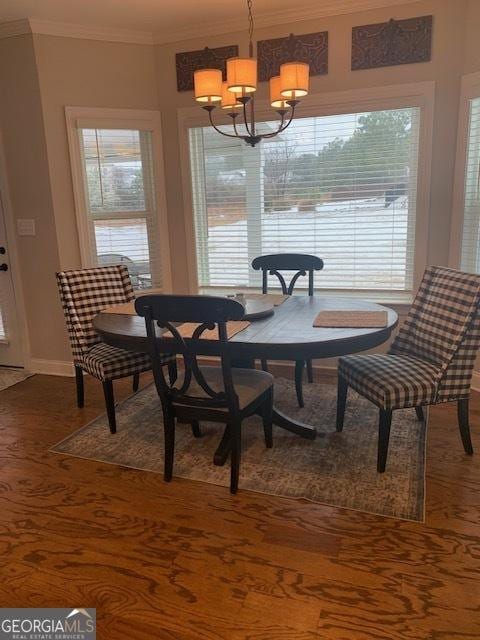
(169, 20)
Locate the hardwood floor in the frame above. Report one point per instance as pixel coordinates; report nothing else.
(188, 561)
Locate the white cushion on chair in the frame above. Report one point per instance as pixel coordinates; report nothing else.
(249, 384)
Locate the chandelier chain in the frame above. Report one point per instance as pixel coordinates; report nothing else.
(250, 27)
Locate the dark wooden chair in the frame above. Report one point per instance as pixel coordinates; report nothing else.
(430, 361)
(209, 393)
(303, 264)
(84, 293)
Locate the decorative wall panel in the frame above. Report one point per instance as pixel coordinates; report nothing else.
(392, 43)
(189, 61)
(310, 47)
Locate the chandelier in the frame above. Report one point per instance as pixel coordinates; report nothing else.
(238, 91)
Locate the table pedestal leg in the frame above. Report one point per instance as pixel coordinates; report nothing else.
(306, 431)
(279, 419)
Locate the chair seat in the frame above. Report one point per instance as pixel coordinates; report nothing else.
(391, 381)
(108, 363)
(249, 384)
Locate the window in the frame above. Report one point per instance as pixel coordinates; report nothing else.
(116, 197)
(342, 187)
(470, 253)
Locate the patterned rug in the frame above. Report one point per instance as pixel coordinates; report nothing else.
(338, 469)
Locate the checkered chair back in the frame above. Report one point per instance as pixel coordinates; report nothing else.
(443, 328)
(85, 292)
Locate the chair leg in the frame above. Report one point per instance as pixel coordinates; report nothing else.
(267, 411)
(464, 426)
(420, 414)
(236, 435)
(385, 420)
(110, 404)
(80, 386)
(169, 435)
(196, 429)
(136, 381)
(264, 364)
(299, 365)
(342, 391)
(310, 371)
(172, 371)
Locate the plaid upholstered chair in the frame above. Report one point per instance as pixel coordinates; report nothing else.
(430, 361)
(84, 293)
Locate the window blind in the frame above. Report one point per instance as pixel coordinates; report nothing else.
(342, 187)
(470, 256)
(120, 196)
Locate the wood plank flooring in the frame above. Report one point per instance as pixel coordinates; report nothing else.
(188, 561)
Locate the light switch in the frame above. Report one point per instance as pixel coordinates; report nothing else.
(26, 226)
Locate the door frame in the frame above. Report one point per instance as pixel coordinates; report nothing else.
(10, 229)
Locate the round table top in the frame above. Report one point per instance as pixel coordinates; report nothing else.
(288, 334)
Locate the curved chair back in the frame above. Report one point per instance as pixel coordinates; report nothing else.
(443, 328)
(209, 313)
(84, 293)
(302, 263)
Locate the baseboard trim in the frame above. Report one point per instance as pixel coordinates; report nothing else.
(50, 367)
(281, 367)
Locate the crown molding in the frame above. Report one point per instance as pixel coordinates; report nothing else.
(88, 32)
(15, 28)
(301, 13)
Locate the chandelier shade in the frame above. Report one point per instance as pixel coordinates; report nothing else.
(277, 101)
(208, 85)
(242, 75)
(238, 92)
(229, 99)
(294, 80)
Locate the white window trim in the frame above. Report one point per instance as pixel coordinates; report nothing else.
(420, 94)
(118, 119)
(470, 89)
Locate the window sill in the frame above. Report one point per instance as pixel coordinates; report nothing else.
(399, 300)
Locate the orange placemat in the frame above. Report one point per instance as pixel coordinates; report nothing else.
(275, 298)
(187, 328)
(124, 308)
(128, 308)
(351, 319)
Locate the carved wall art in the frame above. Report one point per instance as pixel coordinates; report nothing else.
(310, 47)
(189, 61)
(392, 43)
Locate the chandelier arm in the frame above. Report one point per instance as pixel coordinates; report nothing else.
(245, 119)
(282, 125)
(228, 135)
(280, 129)
(292, 114)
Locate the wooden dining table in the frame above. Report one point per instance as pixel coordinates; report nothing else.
(287, 334)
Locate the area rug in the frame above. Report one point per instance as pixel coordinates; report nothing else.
(337, 469)
(9, 377)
